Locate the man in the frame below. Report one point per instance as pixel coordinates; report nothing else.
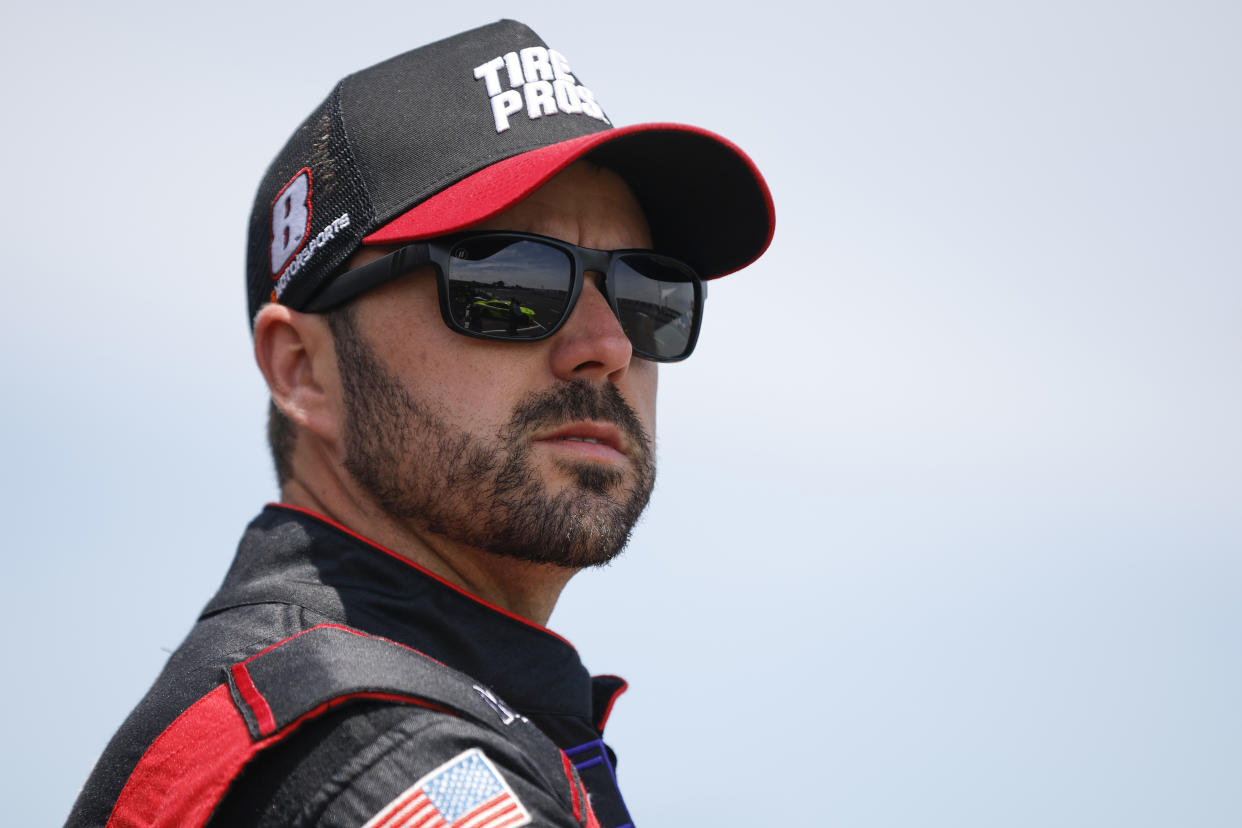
(460, 422)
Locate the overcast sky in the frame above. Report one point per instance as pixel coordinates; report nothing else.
(948, 527)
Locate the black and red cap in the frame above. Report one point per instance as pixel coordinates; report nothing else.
(442, 137)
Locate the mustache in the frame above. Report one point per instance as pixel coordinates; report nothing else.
(579, 400)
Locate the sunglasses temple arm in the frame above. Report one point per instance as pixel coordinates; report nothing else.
(351, 283)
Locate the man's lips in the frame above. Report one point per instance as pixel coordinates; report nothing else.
(587, 440)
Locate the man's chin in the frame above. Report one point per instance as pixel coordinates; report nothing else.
(609, 480)
(574, 515)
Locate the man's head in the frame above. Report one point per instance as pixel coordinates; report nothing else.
(511, 413)
(540, 451)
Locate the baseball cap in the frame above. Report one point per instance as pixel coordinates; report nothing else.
(442, 137)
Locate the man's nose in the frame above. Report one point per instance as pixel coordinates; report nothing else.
(591, 344)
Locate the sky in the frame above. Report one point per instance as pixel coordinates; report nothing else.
(948, 528)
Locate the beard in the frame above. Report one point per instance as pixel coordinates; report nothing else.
(487, 492)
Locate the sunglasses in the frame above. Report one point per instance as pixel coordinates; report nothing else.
(522, 287)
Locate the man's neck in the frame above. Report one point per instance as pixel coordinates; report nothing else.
(525, 589)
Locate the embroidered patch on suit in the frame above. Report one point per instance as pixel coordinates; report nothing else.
(465, 792)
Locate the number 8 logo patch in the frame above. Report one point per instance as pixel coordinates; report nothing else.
(291, 218)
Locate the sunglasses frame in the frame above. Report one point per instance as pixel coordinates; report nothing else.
(438, 253)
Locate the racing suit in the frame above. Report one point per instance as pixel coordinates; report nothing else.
(331, 682)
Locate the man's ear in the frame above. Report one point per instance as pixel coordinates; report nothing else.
(295, 352)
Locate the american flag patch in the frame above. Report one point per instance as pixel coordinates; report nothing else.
(465, 792)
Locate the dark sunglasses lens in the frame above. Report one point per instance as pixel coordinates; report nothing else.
(508, 288)
(658, 303)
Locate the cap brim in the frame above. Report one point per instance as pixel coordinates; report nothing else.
(704, 198)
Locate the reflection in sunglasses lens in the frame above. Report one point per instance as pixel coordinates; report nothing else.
(508, 288)
(655, 302)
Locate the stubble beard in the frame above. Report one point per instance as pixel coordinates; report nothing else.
(487, 493)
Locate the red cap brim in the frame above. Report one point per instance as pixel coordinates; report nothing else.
(705, 199)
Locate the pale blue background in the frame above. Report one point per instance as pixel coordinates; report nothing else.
(949, 519)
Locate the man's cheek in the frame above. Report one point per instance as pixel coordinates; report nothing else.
(642, 397)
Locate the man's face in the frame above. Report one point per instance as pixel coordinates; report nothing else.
(540, 451)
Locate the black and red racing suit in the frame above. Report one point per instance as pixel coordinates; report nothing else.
(330, 682)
